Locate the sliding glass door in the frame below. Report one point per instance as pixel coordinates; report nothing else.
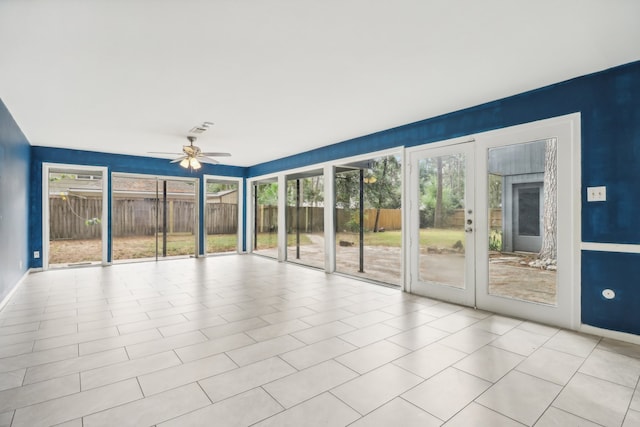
(153, 217)
(305, 218)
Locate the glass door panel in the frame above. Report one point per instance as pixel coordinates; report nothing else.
(368, 219)
(443, 217)
(305, 219)
(522, 202)
(221, 216)
(177, 229)
(265, 224)
(135, 218)
(152, 218)
(442, 220)
(75, 217)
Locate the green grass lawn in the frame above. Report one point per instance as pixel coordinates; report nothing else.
(133, 247)
(442, 238)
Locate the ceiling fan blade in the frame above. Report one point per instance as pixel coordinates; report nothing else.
(179, 159)
(216, 154)
(205, 159)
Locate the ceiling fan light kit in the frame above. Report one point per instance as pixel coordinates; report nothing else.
(194, 163)
(192, 156)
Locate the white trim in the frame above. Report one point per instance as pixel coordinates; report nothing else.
(329, 219)
(610, 247)
(106, 206)
(444, 143)
(407, 220)
(218, 178)
(321, 165)
(7, 297)
(251, 208)
(607, 333)
(404, 250)
(282, 217)
(154, 176)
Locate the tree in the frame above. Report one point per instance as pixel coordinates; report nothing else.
(267, 194)
(437, 216)
(549, 236)
(384, 193)
(442, 184)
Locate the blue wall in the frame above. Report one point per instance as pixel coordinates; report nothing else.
(14, 202)
(617, 271)
(609, 102)
(114, 163)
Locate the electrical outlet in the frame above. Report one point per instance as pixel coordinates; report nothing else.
(36, 254)
(597, 194)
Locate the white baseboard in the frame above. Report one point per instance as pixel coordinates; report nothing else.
(607, 333)
(6, 299)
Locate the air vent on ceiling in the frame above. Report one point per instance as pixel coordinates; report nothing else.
(201, 128)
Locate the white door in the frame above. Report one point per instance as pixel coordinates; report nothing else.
(537, 282)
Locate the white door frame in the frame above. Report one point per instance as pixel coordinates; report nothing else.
(567, 130)
(46, 168)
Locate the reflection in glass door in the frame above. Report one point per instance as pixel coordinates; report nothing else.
(152, 218)
(75, 216)
(265, 218)
(522, 201)
(443, 219)
(305, 218)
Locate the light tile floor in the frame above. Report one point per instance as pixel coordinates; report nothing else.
(243, 340)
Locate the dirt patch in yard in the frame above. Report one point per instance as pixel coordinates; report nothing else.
(510, 274)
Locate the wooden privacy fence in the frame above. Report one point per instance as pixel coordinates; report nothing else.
(67, 218)
(348, 219)
(135, 217)
(221, 218)
(312, 218)
(456, 219)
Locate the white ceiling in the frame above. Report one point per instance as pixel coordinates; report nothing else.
(278, 77)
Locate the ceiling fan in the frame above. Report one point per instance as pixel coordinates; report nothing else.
(192, 156)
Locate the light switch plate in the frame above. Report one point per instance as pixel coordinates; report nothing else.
(597, 194)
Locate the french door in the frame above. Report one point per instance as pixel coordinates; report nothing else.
(495, 221)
